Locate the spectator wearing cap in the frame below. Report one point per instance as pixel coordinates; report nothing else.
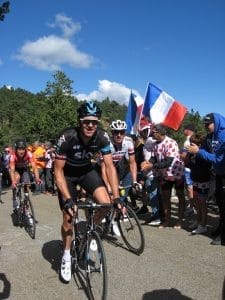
(150, 182)
(169, 167)
(215, 126)
(188, 131)
(200, 175)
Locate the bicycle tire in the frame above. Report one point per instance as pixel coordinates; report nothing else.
(19, 211)
(96, 268)
(30, 228)
(131, 231)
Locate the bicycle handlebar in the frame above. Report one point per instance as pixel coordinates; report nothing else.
(93, 205)
(22, 184)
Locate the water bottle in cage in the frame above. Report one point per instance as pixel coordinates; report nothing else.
(122, 192)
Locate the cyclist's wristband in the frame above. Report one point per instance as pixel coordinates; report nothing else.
(68, 204)
(116, 200)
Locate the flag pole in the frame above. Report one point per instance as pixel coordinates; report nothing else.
(144, 103)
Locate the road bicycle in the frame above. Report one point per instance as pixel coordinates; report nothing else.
(87, 252)
(130, 229)
(25, 211)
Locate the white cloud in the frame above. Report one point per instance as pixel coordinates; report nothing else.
(68, 27)
(1, 62)
(113, 90)
(50, 52)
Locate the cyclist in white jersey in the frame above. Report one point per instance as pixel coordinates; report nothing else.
(123, 154)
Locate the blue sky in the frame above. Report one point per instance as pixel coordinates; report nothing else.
(110, 47)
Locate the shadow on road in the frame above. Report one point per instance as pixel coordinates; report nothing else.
(4, 294)
(52, 252)
(165, 295)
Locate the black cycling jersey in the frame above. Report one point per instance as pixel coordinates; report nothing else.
(78, 155)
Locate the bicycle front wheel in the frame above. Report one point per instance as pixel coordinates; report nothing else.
(131, 231)
(96, 269)
(30, 219)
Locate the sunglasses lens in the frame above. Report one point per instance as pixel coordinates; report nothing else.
(121, 132)
(87, 122)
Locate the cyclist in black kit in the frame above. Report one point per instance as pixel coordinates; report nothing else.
(75, 149)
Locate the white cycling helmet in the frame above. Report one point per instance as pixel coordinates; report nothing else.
(118, 125)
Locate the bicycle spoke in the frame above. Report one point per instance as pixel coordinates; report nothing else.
(131, 231)
(96, 268)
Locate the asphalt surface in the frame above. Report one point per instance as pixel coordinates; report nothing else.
(175, 265)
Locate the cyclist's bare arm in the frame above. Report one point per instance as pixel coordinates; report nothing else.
(111, 174)
(133, 167)
(35, 171)
(12, 172)
(61, 181)
(105, 178)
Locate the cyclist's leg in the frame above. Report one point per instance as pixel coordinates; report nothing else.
(17, 180)
(25, 178)
(67, 233)
(94, 185)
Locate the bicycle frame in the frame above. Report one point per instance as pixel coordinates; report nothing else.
(92, 266)
(90, 226)
(26, 210)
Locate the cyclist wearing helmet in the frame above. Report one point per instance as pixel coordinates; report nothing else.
(19, 162)
(75, 150)
(123, 154)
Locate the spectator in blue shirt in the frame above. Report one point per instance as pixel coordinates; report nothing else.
(215, 126)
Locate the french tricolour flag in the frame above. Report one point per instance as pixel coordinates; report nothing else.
(161, 108)
(134, 110)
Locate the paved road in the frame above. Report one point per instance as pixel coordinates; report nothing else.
(174, 265)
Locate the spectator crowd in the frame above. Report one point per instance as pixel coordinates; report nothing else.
(153, 167)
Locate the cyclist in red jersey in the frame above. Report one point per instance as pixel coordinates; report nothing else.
(19, 162)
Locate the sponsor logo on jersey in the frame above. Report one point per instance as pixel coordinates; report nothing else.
(83, 155)
(75, 147)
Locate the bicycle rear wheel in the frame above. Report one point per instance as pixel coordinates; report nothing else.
(96, 269)
(30, 219)
(131, 231)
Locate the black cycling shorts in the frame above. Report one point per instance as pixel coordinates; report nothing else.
(89, 182)
(24, 175)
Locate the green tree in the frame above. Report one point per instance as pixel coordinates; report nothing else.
(191, 117)
(61, 104)
(4, 9)
(43, 115)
